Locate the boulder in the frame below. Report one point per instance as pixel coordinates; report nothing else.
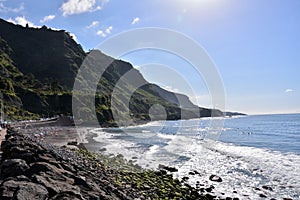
(13, 167)
(22, 190)
(267, 187)
(262, 196)
(56, 186)
(167, 168)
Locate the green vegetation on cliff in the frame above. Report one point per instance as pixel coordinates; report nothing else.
(38, 67)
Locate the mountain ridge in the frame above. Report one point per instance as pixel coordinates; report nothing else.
(38, 68)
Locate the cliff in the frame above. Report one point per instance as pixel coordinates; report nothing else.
(38, 67)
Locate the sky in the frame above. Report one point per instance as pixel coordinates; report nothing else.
(255, 44)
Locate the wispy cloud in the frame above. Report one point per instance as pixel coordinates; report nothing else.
(93, 24)
(6, 9)
(47, 18)
(106, 32)
(289, 90)
(72, 7)
(22, 21)
(135, 20)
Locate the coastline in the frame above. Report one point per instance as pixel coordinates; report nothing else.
(56, 139)
(95, 141)
(57, 172)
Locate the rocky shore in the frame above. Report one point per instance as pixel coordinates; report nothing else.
(33, 169)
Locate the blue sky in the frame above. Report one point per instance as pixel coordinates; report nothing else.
(255, 44)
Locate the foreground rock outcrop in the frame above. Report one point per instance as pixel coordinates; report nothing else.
(33, 169)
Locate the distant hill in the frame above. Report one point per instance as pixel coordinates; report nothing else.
(38, 67)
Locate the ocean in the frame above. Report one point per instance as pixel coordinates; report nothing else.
(255, 156)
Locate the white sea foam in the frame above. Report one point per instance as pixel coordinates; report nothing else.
(152, 123)
(166, 136)
(243, 169)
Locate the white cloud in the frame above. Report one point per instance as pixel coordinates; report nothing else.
(3, 8)
(72, 7)
(101, 33)
(289, 90)
(170, 88)
(47, 18)
(22, 21)
(108, 30)
(73, 36)
(135, 20)
(202, 100)
(93, 24)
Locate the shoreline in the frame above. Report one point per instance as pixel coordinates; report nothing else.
(69, 133)
(129, 180)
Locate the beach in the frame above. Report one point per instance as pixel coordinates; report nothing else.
(33, 168)
(243, 142)
(213, 167)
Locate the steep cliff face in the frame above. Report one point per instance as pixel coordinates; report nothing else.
(38, 67)
(24, 95)
(49, 55)
(37, 70)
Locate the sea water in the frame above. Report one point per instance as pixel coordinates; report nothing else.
(253, 155)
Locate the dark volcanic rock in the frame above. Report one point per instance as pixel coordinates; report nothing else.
(262, 196)
(56, 186)
(46, 174)
(267, 187)
(192, 173)
(21, 190)
(215, 178)
(57, 173)
(167, 168)
(45, 167)
(67, 196)
(13, 167)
